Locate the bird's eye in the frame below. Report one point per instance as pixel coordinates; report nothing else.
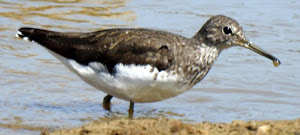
(227, 30)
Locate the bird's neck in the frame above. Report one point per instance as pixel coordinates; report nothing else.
(206, 56)
(197, 61)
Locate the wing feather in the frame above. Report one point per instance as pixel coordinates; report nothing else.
(110, 47)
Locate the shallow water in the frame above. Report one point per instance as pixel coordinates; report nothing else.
(38, 91)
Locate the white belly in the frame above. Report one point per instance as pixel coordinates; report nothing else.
(129, 82)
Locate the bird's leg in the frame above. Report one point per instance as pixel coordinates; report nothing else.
(106, 102)
(130, 111)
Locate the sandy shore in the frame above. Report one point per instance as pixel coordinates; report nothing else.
(145, 126)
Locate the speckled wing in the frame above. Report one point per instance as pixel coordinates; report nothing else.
(110, 47)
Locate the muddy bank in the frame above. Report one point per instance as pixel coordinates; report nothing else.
(170, 126)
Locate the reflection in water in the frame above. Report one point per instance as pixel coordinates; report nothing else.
(8, 47)
(38, 91)
(67, 11)
(20, 72)
(59, 1)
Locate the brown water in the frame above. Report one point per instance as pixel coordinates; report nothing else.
(37, 91)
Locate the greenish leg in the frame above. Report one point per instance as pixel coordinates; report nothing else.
(131, 110)
(106, 102)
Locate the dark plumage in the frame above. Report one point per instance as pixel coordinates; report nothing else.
(127, 46)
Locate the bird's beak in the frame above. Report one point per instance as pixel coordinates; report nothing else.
(247, 44)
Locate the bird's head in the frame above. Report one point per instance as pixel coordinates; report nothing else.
(224, 32)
